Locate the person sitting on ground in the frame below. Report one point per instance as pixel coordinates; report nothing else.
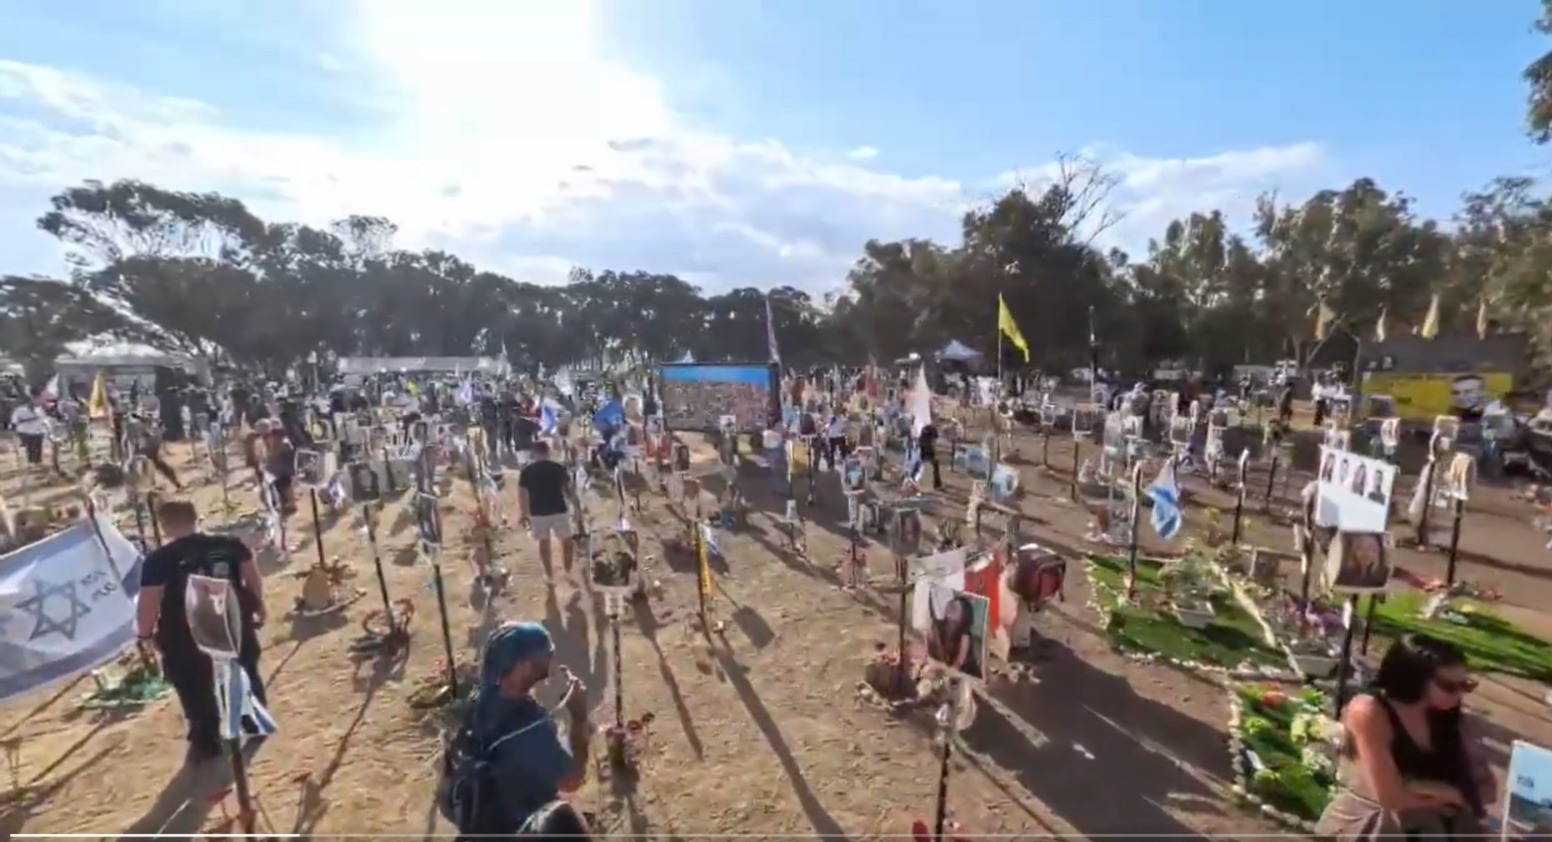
(1409, 768)
(544, 490)
(532, 767)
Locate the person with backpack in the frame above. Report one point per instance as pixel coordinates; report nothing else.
(506, 762)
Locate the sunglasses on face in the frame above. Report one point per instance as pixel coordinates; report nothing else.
(1458, 688)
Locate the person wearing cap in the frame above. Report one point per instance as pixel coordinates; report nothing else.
(532, 766)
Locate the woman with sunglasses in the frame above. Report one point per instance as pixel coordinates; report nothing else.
(1408, 768)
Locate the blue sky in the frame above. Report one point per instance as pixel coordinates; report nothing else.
(738, 142)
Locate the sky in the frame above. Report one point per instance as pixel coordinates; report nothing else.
(745, 142)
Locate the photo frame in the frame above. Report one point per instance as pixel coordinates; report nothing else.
(974, 460)
(1004, 483)
(907, 531)
(1446, 428)
(365, 485)
(1527, 792)
(1390, 433)
(613, 566)
(1460, 477)
(214, 616)
(955, 624)
(1358, 563)
(1085, 417)
(1353, 492)
(309, 468)
(428, 520)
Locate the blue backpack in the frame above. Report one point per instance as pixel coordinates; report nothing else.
(467, 795)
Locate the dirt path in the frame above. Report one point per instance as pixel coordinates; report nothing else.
(759, 731)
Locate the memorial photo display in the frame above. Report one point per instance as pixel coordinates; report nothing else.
(428, 520)
(697, 396)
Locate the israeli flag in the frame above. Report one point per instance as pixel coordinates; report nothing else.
(234, 695)
(1165, 494)
(549, 417)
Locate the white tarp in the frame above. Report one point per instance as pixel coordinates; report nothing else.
(374, 365)
(66, 607)
(957, 351)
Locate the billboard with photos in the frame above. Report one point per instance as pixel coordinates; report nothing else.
(696, 396)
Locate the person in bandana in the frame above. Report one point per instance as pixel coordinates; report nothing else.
(532, 766)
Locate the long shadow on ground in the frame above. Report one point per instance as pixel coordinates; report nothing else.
(1113, 759)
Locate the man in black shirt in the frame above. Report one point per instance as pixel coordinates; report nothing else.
(161, 617)
(544, 489)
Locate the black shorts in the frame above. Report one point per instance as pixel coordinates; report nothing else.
(32, 445)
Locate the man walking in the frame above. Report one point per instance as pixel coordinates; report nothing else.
(544, 491)
(161, 617)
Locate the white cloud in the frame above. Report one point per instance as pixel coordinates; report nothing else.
(513, 141)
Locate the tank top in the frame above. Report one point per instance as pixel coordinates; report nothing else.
(1412, 760)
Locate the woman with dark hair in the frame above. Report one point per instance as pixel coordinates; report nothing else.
(1407, 766)
(952, 639)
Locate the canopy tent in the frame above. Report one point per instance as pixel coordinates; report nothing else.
(447, 365)
(956, 351)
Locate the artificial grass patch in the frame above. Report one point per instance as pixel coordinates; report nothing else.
(1232, 638)
(1288, 782)
(1490, 643)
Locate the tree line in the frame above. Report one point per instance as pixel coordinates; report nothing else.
(202, 274)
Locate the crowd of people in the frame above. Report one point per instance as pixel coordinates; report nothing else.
(1409, 765)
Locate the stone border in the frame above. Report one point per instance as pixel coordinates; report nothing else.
(1242, 786)
(1143, 657)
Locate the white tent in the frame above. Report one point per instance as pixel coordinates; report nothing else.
(956, 351)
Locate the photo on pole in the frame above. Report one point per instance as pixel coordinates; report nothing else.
(613, 563)
(1527, 807)
(214, 615)
(1358, 563)
(428, 520)
(954, 623)
(365, 487)
(309, 468)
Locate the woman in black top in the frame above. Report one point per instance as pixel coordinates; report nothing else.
(1408, 769)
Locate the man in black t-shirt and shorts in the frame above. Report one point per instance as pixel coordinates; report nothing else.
(544, 491)
(162, 617)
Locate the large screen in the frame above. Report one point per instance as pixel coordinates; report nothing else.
(695, 396)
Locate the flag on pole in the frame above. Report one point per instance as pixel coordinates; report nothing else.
(1009, 328)
(1323, 318)
(1430, 327)
(97, 406)
(1165, 493)
(770, 332)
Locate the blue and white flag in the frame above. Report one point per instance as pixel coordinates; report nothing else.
(465, 394)
(234, 696)
(1165, 493)
(549, 416)
(67, 606)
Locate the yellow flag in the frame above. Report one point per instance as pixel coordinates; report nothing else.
(1482, 318)
(1323, 317)
(703, 558)
(1379, 326)
(1009, 328)
(1430, 327)
(97, 405)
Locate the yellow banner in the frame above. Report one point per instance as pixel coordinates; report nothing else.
(1423, 397)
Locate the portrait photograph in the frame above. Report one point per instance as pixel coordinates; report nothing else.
(1357, 563)
(214, 617)
(954, 625)
(309, 467)
(1004, 482)
(365, 487)
(1352, 492)
(428, 520)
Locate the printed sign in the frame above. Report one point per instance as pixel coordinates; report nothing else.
(1353, 492)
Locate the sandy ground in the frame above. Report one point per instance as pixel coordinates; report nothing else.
(758, 730)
